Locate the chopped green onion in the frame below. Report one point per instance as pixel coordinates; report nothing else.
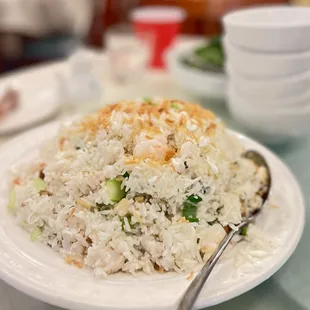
(12, 200)
(36, 234)
(126, 175)
(39, 184)
(116, 192)
(190, 211)
(244, 231)
(129, 222)
(194, 198)
(193, 220)
(176, 106)
(149, 101)
(101, 206)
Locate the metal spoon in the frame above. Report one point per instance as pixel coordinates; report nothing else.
(195, 287)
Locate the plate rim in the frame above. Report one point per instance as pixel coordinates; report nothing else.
(36, 293)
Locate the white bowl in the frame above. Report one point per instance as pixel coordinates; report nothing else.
(270, 28)
(297, 102)
(275, 88)
(267, 123)
(265, 65)
(201, 83)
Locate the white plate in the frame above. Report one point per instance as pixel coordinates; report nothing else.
(38, 271)
(40, 99)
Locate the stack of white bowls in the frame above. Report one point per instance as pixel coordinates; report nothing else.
(268, 64)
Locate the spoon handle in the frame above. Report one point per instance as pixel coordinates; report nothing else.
(195, 287)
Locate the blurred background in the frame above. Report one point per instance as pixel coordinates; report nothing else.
(33, 31)
(125, 49)
(259, 86)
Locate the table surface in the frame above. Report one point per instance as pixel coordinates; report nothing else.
(289, 288)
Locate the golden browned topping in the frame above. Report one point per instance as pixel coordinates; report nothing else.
(190, 276)
(150, 130)
(71, 261)
(150, 111)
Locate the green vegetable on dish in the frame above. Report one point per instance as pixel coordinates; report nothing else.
(101, 206)
(148, 100)
(244, 231)
(39, 184)
(194, 198)
(212, 52)
(208, 57)
(129, 222)
(189, 211)
(12, 200)
(176, 106)
(36, 234)
(126, 175)
(116, 192)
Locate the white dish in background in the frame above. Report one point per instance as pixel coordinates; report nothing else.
(40, 98)
(205, 84)
(270, 28)
(265, 65)
(38, 271)
(268, 123)
(38, 107)
(268, 89)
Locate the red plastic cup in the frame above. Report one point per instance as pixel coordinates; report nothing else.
(160, 23)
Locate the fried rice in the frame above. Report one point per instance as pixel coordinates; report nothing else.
(145, 185)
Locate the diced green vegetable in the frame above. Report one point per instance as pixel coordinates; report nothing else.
(190, 211)
(244, 231)
(39, 184)
(193, 220)
(126, 175)
(116, 192)
(176, 106)
(190, 208)
(129, 222)
(36, 234)
(12, 200)
(194, 198)
(149, 101)
(212, 223)
(101, 206)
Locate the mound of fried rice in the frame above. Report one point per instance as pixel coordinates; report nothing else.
(145, 185)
